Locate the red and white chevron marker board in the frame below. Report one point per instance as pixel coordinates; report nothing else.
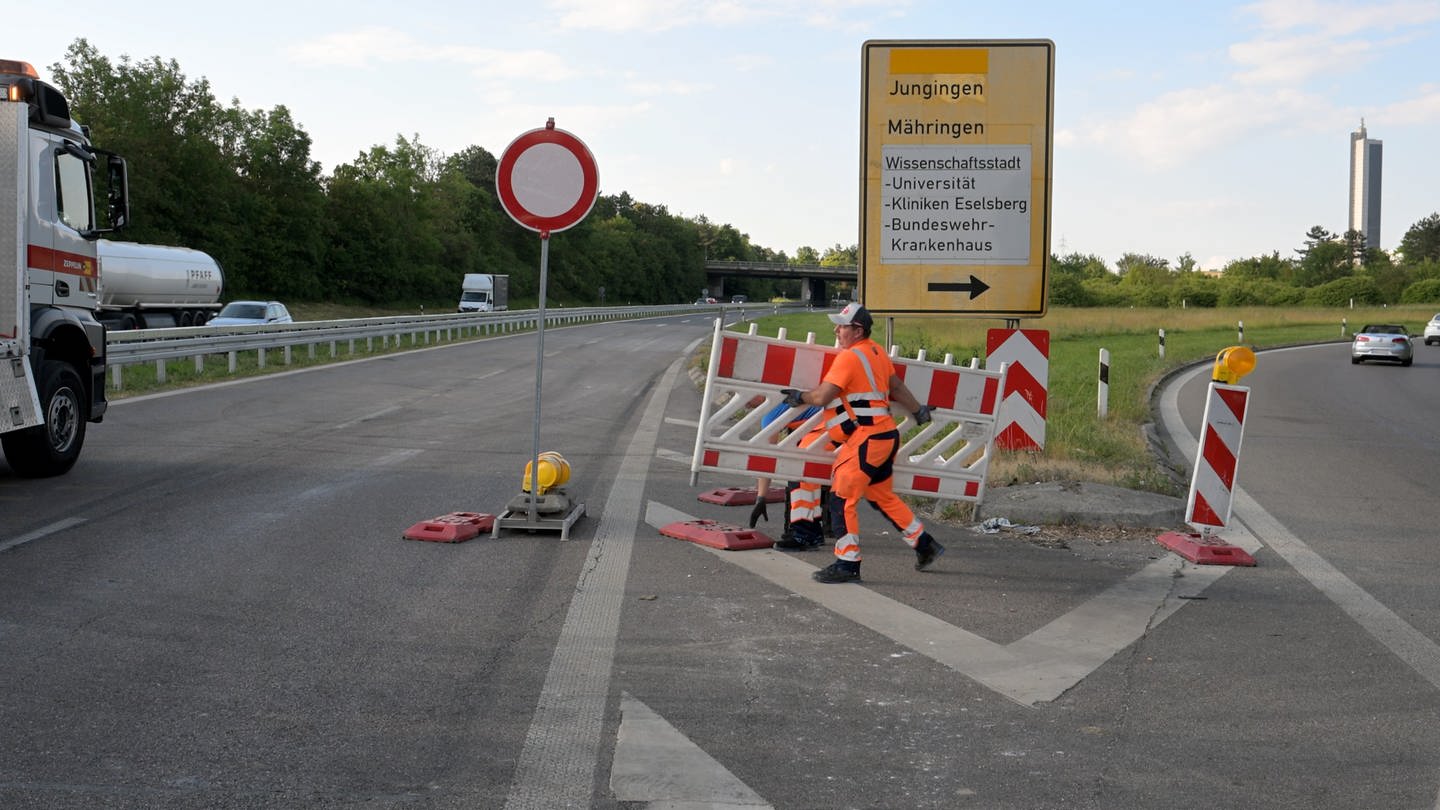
(947, 458)
(1022, 416)
(1213, 482)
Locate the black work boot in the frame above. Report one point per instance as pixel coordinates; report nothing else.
(838, 571)
(789, 542)
(926, 551)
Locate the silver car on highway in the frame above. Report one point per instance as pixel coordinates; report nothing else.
(1432, 330)
(1383, 341)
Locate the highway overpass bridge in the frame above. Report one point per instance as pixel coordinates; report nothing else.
(818, 283)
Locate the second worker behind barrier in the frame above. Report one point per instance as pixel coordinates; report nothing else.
(857, 391)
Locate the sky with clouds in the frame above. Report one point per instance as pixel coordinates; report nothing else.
(1216, 129)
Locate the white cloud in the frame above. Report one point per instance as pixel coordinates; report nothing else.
(1339, 18)
(662, 15)
(643, 15)
(376, 45)
(746, 62)
(1268, 94)
(1306, 38)
(358, 48)
(671, 87)
(1422, 109)
(1176, 126)
(1295, 59)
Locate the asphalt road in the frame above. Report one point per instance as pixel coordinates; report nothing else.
(215, 609)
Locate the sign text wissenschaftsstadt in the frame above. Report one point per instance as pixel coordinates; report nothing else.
(955, 184)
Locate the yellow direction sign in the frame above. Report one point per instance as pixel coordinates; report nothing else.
(955, 179)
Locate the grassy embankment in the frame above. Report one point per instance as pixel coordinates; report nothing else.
(1079, 446)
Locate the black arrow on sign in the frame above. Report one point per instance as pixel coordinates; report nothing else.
(975, 286)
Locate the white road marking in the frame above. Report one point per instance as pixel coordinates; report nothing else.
(1399, 636)
(556, 766)
(655, 763)
(366, 418)
(693, 424)
(1037, 668)
(671, 455)
(44, 531)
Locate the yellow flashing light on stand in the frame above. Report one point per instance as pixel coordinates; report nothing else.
(554, 472)
(1233, 363)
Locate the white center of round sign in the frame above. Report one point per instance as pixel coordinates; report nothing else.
(548, 179)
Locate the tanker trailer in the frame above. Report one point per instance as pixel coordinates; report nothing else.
(153, 286)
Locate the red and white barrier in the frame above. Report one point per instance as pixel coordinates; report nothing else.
(947, 458)
(1212, 484)
(1026, 353)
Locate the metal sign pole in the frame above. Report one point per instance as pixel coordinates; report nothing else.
(539, 376)
(546, 181)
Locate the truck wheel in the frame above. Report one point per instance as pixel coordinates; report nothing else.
(52, 448)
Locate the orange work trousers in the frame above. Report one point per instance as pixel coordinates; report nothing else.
(863, 470)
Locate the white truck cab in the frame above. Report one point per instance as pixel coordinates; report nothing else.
(477, 293)
(52, 349)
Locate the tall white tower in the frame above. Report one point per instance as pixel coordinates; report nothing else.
(1365, 186)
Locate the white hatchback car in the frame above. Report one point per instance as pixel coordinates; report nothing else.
(1432, 330)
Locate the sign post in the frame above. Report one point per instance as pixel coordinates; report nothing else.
(547, 182)
(955, 177)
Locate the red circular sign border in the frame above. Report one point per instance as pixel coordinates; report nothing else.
(504, 180)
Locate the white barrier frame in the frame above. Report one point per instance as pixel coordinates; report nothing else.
(961, 439)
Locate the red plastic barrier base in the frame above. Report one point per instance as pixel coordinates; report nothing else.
(1204, 551)
(717, 535)
(456, 527)
(735, 496)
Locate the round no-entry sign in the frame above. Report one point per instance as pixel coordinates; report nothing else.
(547, 179)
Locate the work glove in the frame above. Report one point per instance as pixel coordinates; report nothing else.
(794, 397)
(923, 415)
(759, 512)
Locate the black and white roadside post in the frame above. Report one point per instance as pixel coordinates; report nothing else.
(547, 182)
(1104, 392)
(1162, 344)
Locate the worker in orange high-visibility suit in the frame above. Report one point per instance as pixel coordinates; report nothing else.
(857, 390)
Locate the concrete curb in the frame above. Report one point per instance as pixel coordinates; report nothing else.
(1083, 503)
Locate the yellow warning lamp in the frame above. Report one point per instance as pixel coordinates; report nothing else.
(554, 471)
(1233, 363)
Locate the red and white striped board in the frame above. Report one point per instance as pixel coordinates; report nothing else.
(947, 458)
(1213, 482)
(1026, 355)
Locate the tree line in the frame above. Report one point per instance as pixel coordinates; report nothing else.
(1327, 270)
(401, 224)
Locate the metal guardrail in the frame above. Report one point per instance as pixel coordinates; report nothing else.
(159, 346)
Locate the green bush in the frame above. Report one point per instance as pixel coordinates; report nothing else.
(1422, 292)
(1262, 292)
(1342, 291)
